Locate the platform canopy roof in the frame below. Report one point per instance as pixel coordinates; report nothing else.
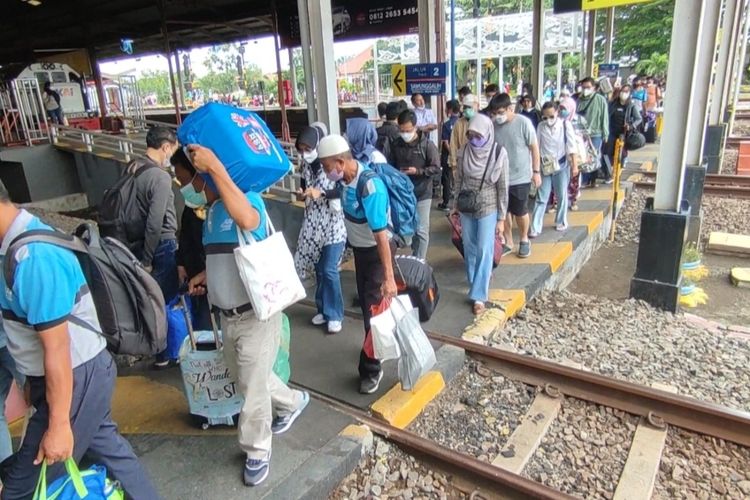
(34, 26)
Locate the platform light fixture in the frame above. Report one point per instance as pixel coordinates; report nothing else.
(33, 3)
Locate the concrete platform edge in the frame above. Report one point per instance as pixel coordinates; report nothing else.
(327, 468)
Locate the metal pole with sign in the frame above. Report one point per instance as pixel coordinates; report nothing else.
(453, 49)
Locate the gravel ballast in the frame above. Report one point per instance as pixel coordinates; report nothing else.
(387, 472)
(584, 451)
(632, 341)
(476, 413)
(700, 467)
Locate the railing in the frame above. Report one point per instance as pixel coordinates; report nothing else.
(125, 149)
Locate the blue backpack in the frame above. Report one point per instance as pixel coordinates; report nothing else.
(403, 203)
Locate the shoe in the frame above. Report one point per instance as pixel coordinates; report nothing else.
(282, 423)
(370, 384)
(442, 206)
(533, 235)
(334, 326)
(319, 320)
(256, 470)
(609, 181)
(524, 249)
(507, 250)
(166, 364)
(573, 207)
(561, 227)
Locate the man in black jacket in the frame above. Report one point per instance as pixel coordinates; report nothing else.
(415, 155)
(388, 131)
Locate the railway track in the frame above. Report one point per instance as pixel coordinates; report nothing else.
(658, 408)
(735, 186)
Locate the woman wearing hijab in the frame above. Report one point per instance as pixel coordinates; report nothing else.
(482, 169)
(362, 138)
(567, 111)
(557, 147)
(322, 237)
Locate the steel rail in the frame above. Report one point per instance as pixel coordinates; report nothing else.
(501, 481)
(714, 179)
(682, 411)
(718, 190)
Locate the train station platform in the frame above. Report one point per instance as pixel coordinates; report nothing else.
(324, 445)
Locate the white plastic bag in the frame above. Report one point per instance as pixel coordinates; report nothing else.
(417, 354)
(383, 328)
(267, 270)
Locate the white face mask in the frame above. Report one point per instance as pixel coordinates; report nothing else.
(587, 92)
(551, 122)
(408, 136)
(310, 156)
(500, 119)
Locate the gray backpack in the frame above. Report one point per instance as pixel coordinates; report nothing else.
(128, 301)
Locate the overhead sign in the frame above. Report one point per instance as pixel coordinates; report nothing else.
(398, 78)
(355, 19)
(426, 79)
(610, 70)
(561, 6)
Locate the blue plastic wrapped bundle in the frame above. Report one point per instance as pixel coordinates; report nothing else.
(251, 154)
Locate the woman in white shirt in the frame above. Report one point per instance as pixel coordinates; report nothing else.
(557, 148)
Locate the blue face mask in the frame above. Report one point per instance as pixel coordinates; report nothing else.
(193, 198)
(564, 113)
(478, 142)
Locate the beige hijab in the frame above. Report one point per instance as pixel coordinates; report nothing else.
(477, 158)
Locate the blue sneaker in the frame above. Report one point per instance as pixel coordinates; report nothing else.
(256, 470)
(282, 423)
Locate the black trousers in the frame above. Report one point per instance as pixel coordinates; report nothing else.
(370, 276)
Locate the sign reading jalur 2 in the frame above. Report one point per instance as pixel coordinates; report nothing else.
(425, 79)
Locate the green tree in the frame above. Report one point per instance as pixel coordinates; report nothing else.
(156, 82)
(222, 83)
(640, 30)
(656, 65)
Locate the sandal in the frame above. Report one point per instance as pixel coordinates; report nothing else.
(479, 308)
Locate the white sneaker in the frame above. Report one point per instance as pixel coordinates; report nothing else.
(318, 320)
(334, 326)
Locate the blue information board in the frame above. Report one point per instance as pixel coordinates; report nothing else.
(426, 79)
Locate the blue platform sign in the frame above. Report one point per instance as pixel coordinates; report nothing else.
(426, 79)
(610, 70)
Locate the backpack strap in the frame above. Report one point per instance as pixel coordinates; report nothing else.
(487, 167)
(364, 178)
(56, 238)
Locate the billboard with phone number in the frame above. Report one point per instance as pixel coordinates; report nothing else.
(353, 20)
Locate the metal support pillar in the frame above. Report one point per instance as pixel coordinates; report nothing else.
(730, 26)
(609, 35)
(375, 72)
(304, 35)
(100, 96)
(537, 48)
(180, 85)
(739, 68)
(321, 35)
(167, 52)
(558, 82)
(581, 18)
(293, 76)
(285, 135)
(478, 74)
(664, 222)
(454, 67)
(590, 37)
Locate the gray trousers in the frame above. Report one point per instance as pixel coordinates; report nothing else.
(250, 348)
(421, 239)
(94, 434)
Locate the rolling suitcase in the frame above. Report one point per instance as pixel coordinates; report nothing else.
(211, 391)
(458, 242)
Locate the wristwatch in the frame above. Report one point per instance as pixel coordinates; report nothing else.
(537, 171)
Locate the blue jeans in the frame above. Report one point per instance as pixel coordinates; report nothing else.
(559, 183)
(8, 374)
(596, 141)
(421, 239)
(479, 248)
(164, 269)
(328, 295)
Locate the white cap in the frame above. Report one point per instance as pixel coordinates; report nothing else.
(469, 100)
(332, 145)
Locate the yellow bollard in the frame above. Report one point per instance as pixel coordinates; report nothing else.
(617, 167)
(659, 124)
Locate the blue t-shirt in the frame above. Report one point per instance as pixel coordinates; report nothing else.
(225, 288)
(368, 217)
(48, 288)
(445, 134)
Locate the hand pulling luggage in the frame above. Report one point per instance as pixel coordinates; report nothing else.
(212, 393)
(458, 242)
(415, 277)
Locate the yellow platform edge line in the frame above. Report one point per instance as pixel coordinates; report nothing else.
(399, 408)
(558, 259)
(485, 325)
(511, 300)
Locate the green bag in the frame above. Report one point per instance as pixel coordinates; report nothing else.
(281, 366)
(90, 484)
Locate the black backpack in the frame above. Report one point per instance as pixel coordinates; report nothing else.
(128, 300)
(416, 277)
(119, 216)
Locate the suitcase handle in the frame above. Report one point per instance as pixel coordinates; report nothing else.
(189, 323)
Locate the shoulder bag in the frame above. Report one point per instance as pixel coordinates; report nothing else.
(467, 200)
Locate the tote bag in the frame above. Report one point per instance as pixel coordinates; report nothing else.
(267, 270)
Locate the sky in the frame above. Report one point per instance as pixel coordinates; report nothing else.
(259, 51)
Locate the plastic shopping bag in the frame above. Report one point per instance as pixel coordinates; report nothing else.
(91, 484)
(281, 365)
(383, 327)
(177, 329)
(417, 354)
(267, 270)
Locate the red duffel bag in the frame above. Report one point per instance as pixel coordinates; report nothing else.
(458, 242)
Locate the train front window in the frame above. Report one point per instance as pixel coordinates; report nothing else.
(42, 77)
(59, 77)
